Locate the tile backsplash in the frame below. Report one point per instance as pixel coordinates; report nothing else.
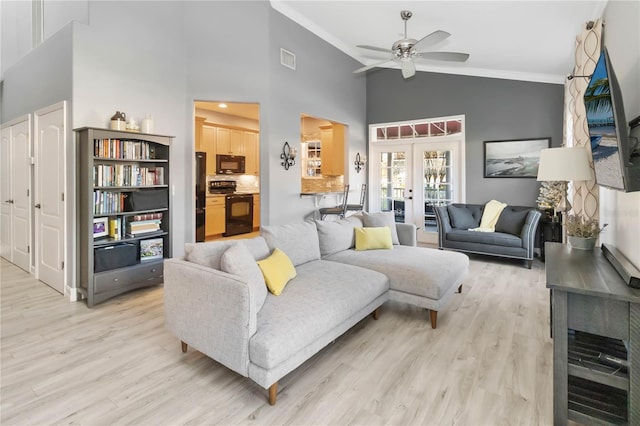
(245, 183)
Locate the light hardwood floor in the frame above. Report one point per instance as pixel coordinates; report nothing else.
(489, 362)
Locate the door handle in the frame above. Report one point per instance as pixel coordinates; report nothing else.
(9, 201)
(37, 206)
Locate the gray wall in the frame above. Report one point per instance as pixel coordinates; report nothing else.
(494, 109)
(322, 86)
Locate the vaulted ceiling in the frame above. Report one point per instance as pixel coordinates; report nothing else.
(520, 40)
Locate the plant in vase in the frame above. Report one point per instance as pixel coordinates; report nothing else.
(583, 233)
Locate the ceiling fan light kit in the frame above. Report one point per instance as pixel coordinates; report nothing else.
(405, 51)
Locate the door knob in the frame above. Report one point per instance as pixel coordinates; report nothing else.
(408, 198)
(37, 206)
(9, 201)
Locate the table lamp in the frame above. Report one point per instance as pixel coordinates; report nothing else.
(563, 165)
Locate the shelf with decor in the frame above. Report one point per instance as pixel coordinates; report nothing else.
(124, 211)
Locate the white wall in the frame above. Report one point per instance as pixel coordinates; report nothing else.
(132, 58)
(622, 39)
(15, 21)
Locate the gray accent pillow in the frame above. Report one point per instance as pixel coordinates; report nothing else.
(206, 254)
(238, 260)
(375, 220)
(462, 218)
(337, 235)
(511, 222)
(299, 241)
(257, 247)
(209, 254)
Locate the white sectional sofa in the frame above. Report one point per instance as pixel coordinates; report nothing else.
(214, 303)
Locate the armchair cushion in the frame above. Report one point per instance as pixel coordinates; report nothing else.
(511, 221)
(461, 217)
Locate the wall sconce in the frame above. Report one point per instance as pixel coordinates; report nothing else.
(359, 163)
(288, 156)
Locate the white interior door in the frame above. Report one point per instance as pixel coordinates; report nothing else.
(49, 196)
(439, 171)
(391, 187)
(20, 150)
(5, 194)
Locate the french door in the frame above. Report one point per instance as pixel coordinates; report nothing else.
(412, 179)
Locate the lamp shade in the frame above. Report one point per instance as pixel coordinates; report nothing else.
(564, 164)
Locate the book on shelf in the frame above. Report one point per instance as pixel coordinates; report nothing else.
(115, 228)
(151, 249)
(147, 216)
(134, 228)
(121, 149)
(127, 175)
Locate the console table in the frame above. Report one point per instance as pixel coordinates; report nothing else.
(596, 324)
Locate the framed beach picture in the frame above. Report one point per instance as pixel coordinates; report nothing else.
(514, 158)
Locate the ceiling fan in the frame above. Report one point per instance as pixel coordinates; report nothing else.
(406, 50)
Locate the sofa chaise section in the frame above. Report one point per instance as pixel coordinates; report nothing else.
(420, 276)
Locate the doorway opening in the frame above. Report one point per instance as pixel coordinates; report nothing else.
(226, 133)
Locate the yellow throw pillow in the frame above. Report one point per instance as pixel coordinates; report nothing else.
(277, 270)
(373, 238)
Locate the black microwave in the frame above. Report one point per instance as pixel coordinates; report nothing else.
(230, 164)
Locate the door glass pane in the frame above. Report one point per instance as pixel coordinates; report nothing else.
(406, 131)
(436, 128)
(437, 184)
(393, 172)
(454, 126)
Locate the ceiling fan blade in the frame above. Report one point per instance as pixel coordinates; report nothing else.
(368, 67)
(444, 56)
(408, 68)
(431, 39)
(378, 49)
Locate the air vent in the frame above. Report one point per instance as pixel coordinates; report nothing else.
(287, 59)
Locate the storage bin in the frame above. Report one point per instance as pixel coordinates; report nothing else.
(115, 256)
(150, 199)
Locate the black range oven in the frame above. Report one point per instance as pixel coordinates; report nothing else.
(238, 214)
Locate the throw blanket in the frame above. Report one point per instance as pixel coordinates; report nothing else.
(490, 216)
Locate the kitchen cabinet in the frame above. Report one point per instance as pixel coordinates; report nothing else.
(332, 143)
(214, 222)
(251, 153)
(198, 133)
(208, 145)
(230, 141)
(256, 211)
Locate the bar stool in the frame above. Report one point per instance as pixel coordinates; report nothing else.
(340, 210)
(359, 207)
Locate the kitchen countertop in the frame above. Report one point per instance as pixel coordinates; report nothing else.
(233, 193)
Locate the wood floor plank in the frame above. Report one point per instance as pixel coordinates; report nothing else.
(488, 362)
